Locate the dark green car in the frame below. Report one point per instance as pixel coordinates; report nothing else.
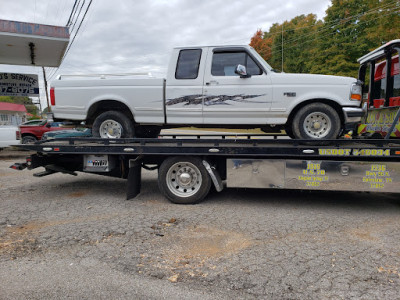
(77, 132)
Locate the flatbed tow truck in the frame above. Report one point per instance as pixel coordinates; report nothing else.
(188, 165)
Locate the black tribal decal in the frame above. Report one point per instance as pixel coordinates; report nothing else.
(211, 100)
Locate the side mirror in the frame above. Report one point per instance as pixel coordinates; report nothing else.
(48, 125)
(241, 70)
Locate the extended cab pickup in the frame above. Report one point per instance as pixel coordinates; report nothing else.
(213, 86)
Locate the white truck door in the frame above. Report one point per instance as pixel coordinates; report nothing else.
(184, 91)
(229, 99)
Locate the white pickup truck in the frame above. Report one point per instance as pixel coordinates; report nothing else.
(9, 135)
(211, 86)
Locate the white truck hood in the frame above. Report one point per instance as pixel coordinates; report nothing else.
(306, 79)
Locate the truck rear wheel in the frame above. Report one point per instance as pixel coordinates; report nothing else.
(184, 180)
(113, 125)
(316, 121)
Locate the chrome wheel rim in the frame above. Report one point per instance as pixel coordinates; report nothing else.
(317, 125)
(110, 129)
(183, 179)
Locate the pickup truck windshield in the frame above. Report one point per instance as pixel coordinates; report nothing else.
(261, 60)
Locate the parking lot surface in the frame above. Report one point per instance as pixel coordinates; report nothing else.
(63, 236)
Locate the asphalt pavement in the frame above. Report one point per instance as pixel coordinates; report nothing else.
(77, 237)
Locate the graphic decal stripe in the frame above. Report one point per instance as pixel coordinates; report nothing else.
(212, 100)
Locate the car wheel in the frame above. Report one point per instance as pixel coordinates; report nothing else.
(184, 180)
(316, 121)
(29, 139)
(113, 125)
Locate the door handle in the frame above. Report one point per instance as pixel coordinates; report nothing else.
(212, 82)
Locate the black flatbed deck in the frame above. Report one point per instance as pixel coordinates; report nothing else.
(230, 145)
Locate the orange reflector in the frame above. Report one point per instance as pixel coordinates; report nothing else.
(356, 97)
(397, 152)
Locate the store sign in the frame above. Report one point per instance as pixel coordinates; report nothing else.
(13, 84)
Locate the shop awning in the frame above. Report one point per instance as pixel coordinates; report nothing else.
(32, 44)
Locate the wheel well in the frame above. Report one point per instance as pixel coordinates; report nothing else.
(28, 134)
(331, 103)
(107, 105)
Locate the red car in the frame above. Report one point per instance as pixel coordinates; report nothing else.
(32, 133)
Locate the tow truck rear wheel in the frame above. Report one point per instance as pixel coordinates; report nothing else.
(113, 125)
(316, 121)
(184, 180)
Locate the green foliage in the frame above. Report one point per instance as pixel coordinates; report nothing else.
(350, 29)
(30, 107)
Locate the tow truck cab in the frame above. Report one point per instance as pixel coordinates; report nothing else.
(379, 70)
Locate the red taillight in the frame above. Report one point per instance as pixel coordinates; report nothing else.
(52, 97)
(18, 135)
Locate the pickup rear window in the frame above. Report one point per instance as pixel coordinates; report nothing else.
(188, 64)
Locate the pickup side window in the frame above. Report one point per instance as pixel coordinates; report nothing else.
(224, 64)
(188, 64)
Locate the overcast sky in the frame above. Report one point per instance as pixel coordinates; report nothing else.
(125, 36)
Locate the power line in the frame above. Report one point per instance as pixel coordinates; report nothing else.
(72, 11)
(77, 16)
(372, 11)
(331, 33)
(75, 35)
(325, 29)
(333, 22)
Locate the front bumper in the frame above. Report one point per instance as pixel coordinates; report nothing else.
(353, 115)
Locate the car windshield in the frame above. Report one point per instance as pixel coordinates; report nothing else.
(35, 122)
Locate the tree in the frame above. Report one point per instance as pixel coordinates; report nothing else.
(261, 45)
(350, 29)
(296, 53)
(341, 39)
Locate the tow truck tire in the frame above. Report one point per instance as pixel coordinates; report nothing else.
(113, 125)
(184, 180)
(316, 121)
(28, 139)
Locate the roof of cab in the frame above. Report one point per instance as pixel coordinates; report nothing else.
(214, 46)
(379, 52)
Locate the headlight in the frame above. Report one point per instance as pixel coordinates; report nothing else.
(356, 92)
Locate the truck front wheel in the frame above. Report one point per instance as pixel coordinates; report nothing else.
(28, 139)
(316, 121)
(113, 125)
(184, 180)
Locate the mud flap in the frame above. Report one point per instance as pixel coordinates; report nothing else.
(134, 178)
(216, 179)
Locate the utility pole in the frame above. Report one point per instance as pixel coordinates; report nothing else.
(45, 87)
(282, 46)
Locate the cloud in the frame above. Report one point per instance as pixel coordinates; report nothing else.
(122, 36)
